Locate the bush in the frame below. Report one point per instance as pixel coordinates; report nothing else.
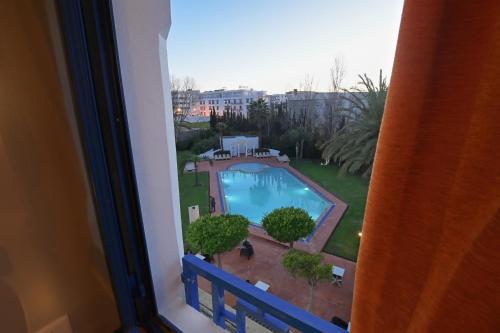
(288, 224)
(207, 133)
(205, 145)
(184, 144)
(187, 140)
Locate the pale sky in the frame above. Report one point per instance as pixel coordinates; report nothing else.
(273, 44)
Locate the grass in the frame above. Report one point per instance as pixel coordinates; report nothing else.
(352, 189)
(191, 195)
(203, 125)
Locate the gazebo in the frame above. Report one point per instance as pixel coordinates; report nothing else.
(240, 145)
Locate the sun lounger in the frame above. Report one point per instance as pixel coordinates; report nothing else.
(283, 159)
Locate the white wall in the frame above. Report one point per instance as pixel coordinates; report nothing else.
(141, 31)
(243, 142)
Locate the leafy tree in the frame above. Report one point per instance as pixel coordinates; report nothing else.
(309, 267)
(288, 224)
(214, 235)
(258, 114)
(221, 127)
(353, 147)
(299, 136)
(213, 119)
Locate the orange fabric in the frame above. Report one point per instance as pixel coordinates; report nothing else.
(430, 253)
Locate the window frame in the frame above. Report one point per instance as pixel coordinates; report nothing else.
(90, 48)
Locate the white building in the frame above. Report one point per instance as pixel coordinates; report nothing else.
(185, 102)
(227, 100)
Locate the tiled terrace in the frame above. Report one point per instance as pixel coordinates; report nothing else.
(328, 301)
(265, 265)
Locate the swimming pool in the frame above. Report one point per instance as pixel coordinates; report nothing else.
(255, 189)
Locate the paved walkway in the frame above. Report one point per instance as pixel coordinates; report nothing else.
(265, 265)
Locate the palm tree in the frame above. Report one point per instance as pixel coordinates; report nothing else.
(353, 147)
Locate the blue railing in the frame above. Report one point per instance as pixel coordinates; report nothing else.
(260, 305)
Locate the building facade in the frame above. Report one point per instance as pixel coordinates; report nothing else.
(222, 100)
(185, 102)
(273, 100)
(318, 106)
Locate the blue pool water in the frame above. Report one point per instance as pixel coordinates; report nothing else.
(255, 189)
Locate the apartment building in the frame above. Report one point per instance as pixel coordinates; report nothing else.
(185, 101)
(222, 100)
(318, 105)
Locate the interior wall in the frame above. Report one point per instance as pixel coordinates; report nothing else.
(51, 261)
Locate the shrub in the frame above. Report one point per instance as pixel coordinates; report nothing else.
(288, 224)
(184, 144)
(204, 145)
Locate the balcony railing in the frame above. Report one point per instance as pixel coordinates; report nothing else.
(261, 306)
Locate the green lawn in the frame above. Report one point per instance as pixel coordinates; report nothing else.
(189, 194)
(203, 125)
(352, 189)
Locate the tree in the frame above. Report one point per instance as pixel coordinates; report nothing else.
(258, 114)
(309, 267)
(183, 92)
(213, 119)
(288, 224)
(298, 135)
(221, 127)
(353, 147)
(304, 113)
(214, 235)
(307, 87)
(334, 102)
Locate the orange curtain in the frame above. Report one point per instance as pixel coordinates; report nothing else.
(430, 251)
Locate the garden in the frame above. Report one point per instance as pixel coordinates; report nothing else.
(339, 157)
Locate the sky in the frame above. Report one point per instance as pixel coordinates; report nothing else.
(273, 45)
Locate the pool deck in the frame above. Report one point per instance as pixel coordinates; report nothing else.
(323, 232)
(266, 265)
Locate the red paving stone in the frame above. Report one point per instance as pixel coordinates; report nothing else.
(265, 265)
